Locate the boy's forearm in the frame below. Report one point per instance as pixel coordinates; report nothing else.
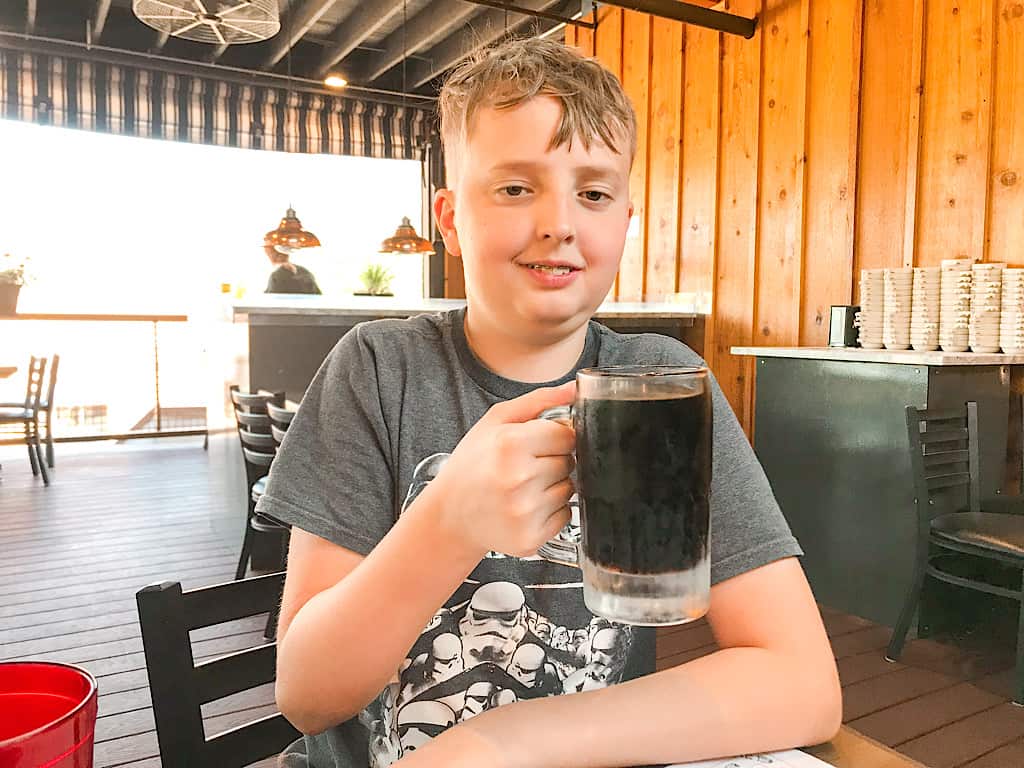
(347, 642)
(735, 701)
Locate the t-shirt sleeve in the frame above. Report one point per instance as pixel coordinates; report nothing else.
(333, 473)
(748, 529)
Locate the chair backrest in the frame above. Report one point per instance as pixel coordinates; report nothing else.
(179, 687)
(251, 408)
(943, 454)
(257, 441)
(47, 404)
(34, 383)
(277, 433)
(280, 415)
(257, 464)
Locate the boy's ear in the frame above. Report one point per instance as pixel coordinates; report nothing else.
(444, 215)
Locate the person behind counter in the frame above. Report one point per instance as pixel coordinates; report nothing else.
(288, 277)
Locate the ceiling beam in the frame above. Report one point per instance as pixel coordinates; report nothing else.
(691, 13)
(483, 30)
(30, 17)
(298, 22)
(419, 32)
(99, 19)
(366, 19)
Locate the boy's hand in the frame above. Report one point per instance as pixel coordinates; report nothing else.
(506, 486)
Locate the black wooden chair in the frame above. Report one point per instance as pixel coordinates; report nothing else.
(44, 408)
(944, 456)
(254, 435)
(179, 687)
(27, 415)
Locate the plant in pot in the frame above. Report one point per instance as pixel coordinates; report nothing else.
(12, 277)
(376, 281)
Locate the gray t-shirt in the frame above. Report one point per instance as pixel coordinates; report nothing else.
(388, 404)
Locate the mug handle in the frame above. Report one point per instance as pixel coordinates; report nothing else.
(564, 548)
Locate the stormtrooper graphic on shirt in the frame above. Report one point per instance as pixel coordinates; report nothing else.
(515, 629)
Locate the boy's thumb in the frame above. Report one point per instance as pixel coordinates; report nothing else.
(529, 406)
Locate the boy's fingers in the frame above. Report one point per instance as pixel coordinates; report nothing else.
(529, 406)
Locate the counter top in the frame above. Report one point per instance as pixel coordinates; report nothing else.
(899, 356)
(385, 306)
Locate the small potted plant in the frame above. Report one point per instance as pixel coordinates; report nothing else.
(376, 280)
(12, 277)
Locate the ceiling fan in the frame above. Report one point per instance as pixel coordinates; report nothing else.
(221, 22)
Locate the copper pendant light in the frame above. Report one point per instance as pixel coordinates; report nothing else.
(405, 240)
(289, 235)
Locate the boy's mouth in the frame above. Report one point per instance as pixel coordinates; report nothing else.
(551, 269)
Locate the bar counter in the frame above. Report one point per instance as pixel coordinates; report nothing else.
(289, 335)
(830, 431)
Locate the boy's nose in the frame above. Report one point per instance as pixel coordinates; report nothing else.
(555, 222)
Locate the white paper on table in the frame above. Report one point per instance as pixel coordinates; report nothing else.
(792, 758)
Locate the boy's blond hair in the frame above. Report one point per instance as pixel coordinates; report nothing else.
(594, 105)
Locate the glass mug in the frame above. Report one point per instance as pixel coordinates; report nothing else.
(643, 480)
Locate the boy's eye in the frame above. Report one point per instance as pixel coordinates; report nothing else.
(514, 190)
(596, 195)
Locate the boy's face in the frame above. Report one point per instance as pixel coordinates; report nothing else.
(540, 231)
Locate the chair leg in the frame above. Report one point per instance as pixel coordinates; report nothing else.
(1018, 694)
(39, 453)
(243, 558)
(49, 440)
(899, 632)
(32, 458)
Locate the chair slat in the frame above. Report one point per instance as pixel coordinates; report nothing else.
(941, 458)
(947, 481)
(252, 742)
(258, 441)
(230, 601)
(942, 414)
(235, 672)
(943, 435)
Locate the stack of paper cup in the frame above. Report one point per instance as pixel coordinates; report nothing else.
(924, 312)
(872, 308)
(899, 287)
(955, 305)
(986, 304)
(1011, 319)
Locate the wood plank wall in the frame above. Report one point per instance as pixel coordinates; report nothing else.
(842, 136)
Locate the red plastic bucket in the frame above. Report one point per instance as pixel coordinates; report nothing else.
(47, 715)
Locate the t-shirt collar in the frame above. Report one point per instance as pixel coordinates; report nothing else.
(505, 388)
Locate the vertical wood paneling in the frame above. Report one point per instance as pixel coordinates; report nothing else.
(1006, 215)
(832, 110)
(664, 172)
(914, 128)
(735, 269)
(780, 234)
(956, 130)
(636, 74)
(889, 92)
(585, 37)
(608, 49)
(570, 35)
(701, 111)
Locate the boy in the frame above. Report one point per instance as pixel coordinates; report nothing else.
(427, 632)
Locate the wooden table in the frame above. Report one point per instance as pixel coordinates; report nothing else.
(6, 371)
(850, 749)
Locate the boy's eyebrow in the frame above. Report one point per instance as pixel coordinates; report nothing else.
(583, 171)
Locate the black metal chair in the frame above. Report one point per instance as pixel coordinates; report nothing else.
(27, 415)
(179, 687)
(45, 407)
(944, 455)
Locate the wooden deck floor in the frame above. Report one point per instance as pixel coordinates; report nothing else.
(117, 517)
